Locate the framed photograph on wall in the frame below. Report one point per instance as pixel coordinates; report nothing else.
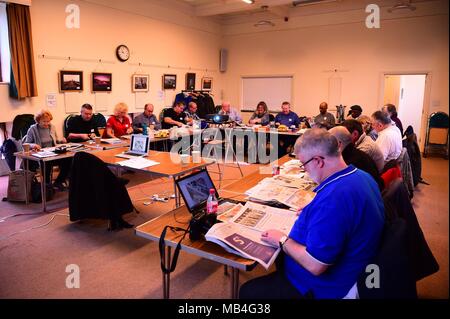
(169, 81)
(140, 82)
(70, 81)
(190, 81)
(207, 83)
(101, 82)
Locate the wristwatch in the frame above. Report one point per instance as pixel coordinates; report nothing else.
(282, 241)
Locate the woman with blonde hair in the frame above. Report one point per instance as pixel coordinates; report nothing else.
(366, 123)
(119, 124)
(41, 135)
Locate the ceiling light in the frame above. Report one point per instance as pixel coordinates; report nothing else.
(401, 5)
(264, 23)
(249, 1)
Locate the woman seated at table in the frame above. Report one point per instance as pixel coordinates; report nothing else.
(41, 135)
(119, 124)
(261, 115)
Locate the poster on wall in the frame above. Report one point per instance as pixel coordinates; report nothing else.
(101, 82)
(190, 81)
(207, 83)
(140, 82)
(169, 81)
(70, 81)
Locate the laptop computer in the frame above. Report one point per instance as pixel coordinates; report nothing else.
(138, 146)
(195, 188)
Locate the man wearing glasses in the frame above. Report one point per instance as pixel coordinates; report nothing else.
(334, 238)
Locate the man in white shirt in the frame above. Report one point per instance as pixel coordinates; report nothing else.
(389, 137)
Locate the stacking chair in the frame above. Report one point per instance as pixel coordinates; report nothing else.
(436, 138)
(215, 148)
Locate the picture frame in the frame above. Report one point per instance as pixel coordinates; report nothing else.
(140, 82)
(207, 83)
(169, 81)
(101, 82)
(190, 81)
(70, 81)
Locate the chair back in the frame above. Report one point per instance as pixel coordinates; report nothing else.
(99, 119)
(21, 124)
(66, 124)
(94, 191)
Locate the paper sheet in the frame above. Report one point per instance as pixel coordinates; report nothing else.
(138, 163)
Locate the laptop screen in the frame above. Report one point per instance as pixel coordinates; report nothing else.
(195, 189)
(139, 143)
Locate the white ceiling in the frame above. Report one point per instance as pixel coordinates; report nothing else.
(236, 11)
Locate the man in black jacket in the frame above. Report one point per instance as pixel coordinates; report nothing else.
(354, 156)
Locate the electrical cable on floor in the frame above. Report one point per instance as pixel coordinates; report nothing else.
(34, 227)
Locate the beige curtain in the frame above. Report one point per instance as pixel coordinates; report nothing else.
(23, 76)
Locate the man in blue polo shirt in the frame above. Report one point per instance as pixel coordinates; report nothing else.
(336, 235)
(286, 116)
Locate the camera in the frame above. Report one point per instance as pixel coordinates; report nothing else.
(200, 224)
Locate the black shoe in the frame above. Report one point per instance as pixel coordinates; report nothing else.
(124, 224)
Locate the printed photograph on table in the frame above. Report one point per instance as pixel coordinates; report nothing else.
(190, 81)
(140, 82)
(70, 81)
(101, 82)
(206, 83)
(169, 81)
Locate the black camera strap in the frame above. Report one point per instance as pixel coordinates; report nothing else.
(162, 251)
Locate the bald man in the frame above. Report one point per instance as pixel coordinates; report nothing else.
(324, 119)
(231, 112)
(146, 118)
(354, 156)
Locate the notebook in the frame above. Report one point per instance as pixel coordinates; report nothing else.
(138, 146)
(195, 191)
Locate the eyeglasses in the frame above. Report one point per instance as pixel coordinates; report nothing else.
(302, 166)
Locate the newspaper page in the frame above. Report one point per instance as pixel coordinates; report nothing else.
(242, 234)
(227, 211)
(243, 242)
(261, 217)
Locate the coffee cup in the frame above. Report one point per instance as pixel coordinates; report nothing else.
(26, 147)
(196, 157)
(184, 159)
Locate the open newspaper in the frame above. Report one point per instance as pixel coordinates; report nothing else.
(271, 190)
(241, 234)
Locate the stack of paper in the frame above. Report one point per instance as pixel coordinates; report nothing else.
(138, 163)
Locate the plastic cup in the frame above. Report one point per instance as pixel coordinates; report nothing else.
(98, 140)
(196, 157)
(184, 159)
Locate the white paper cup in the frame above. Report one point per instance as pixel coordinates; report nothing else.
(196, 157)
(184, 159)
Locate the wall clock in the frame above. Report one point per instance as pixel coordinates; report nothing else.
(123, 53)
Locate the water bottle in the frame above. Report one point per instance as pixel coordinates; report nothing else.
(211, 203)
(144, 129)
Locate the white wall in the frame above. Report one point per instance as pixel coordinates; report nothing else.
(152, 42)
